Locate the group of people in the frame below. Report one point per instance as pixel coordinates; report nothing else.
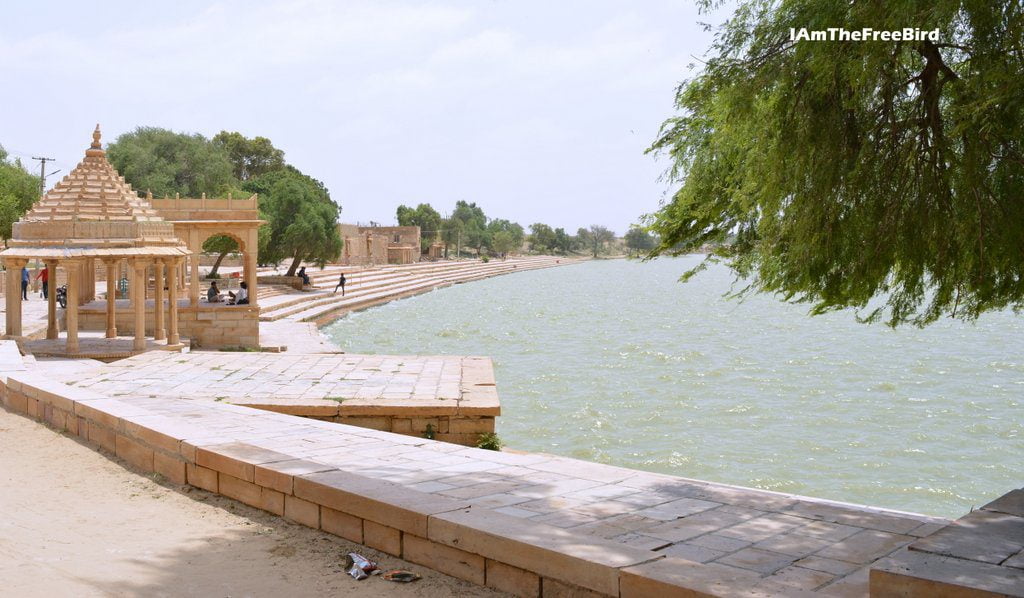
(213, 295)
(44, 276)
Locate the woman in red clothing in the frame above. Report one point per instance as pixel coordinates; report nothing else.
(44, 274)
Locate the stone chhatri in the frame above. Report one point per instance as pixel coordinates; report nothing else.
(94, 208)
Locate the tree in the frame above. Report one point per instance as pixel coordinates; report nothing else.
(302, 218)
(597, 237)
(453, 232)
(542, 238)
(563, 242)
(887, 173)
(249, 157)
(639, 240)
(18, 191)
(475, 224)
(423, 216)
(165, 162)
(503, 242)
(516, 234)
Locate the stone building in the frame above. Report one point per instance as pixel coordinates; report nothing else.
(366, 245)
(93, 215)
(93, 225)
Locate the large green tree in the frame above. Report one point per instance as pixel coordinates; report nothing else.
(18, 191)
(881, 173)
(301, 215)
(423, 216)
(474, 222)
(165, 162)
(249, 157)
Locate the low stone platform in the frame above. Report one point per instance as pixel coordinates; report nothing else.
(529, 524)
(94, 345)
(455, 396)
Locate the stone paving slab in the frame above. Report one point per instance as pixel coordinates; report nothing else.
(317, 385)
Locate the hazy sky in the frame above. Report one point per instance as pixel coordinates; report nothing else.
(537, 111)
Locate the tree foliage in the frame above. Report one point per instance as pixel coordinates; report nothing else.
(542, 237)
(18, 191)
(423, 216)
(512, 239)
(857, 174)
(639, 240)
(165, 162)
(249, 157)
(302, 218)
(596, 238)
(474, 223)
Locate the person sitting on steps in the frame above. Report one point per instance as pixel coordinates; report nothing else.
(242, 298)
(305, 277)
(213, 294)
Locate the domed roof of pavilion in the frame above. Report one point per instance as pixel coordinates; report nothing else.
(93, 212)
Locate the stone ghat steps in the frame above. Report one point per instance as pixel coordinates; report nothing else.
(354, 282)
(528, 524)
(370, 290)
(327, 309)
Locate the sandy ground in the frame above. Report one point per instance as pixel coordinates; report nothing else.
(74, 522)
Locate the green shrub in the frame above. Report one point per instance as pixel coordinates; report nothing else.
(489, 441)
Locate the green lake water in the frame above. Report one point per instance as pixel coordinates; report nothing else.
(618, 362)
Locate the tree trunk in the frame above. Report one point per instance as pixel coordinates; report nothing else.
(295, 265)
(216, 264)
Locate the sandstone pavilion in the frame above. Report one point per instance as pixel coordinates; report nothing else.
(93, 225)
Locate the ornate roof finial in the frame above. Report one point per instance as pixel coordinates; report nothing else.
(96, 149)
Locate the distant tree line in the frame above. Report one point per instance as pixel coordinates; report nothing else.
(469, 227)
(300, 213)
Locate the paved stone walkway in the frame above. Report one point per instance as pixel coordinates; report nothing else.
(361, 384)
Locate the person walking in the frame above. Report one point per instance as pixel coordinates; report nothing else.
(24, 283)
(341, 283)
(44, 275)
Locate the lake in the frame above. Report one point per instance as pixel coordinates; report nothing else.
(618, 362)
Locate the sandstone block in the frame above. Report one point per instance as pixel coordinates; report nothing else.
(445, 559)
(513, 580)
(239, 490)
(201, 477)
(271, 501)
(341, 524)
(302, 511)
(102, 436)
(383, 538)
(135, 453)
(279, 475)
(170, 467)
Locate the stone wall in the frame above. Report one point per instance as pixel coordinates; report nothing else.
(213, 327)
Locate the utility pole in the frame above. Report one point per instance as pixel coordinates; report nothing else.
(458, 246)
(42, 173)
